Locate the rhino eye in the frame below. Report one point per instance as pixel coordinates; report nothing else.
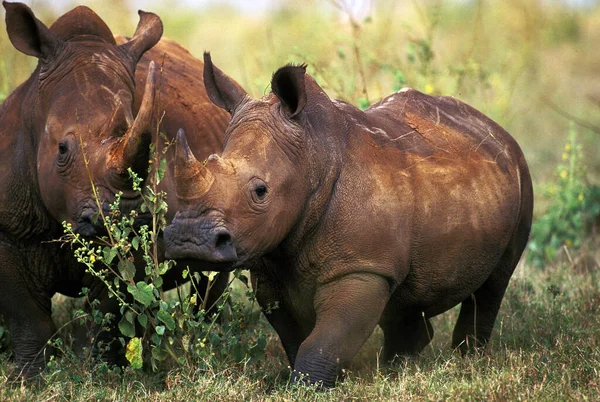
(63, 148)
(64, 156)
(261, 191)
(258, 191)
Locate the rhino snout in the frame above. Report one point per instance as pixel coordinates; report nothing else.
(196, 241)
(223, 246)
(85, 224)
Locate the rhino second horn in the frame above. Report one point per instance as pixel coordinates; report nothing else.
(136, 143)
(192, 178)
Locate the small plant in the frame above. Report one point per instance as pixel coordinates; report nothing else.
(177, 328)
(575, 205)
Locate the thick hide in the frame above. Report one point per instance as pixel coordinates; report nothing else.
(92, 97)
(350, 219)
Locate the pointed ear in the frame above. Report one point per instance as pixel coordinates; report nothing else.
(288, 84)
(28, 34)
(147, 34)
(221, 89)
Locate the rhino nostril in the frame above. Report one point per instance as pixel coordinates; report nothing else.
(223, 239)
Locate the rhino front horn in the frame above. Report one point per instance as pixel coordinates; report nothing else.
(192, 178)
(136, 143)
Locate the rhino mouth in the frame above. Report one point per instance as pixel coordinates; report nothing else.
(89, 222)
(211, 245)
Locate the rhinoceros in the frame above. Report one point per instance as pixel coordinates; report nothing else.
(350, 219)
(85, 115)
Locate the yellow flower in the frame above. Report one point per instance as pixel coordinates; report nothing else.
(428, 89)
(567, 147)
(580, 198)
(92, 258)
(565, 156)
(563, 174)
(568, 243)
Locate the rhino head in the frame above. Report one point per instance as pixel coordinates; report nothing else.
(78, 118)
(261, 190)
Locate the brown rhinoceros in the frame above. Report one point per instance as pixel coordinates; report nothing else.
(350, 219)
(72, 122)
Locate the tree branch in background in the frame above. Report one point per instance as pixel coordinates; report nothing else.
(343, 6)
(571, 117)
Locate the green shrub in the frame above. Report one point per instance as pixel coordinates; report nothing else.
(177, 328)
(574, 207)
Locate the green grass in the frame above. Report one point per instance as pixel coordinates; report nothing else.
(546, 346)
(516, 61)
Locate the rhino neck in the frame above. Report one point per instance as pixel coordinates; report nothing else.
(325, 152)
(21, 210)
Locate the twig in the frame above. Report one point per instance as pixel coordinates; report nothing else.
(569, 116)
(343, 6)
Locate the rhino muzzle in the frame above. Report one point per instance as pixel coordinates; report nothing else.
(196, 241)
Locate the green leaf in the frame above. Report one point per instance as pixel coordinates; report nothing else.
(129, 316)
(127, 269)
(156, 339)
(142, 292)
(109, 253)
(161, 169)
(133, 352)
(143, 320)
(166, 318)
(135, 242)
(160, 329)
(159, 353)
(163, 267)
(210, 275)
(126, 328)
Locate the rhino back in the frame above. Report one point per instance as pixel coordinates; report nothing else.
(428, 196)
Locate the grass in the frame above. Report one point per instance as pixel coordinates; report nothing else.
(527, 66)
(546, 346)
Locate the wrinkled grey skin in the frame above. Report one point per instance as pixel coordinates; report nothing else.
(351, 219)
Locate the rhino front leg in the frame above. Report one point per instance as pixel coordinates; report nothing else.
(273, 304)
(348, 309)
(28, 316)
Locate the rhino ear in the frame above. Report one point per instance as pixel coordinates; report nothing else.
(28, 34)
(147, 34)
(288, 84)
(221, 89)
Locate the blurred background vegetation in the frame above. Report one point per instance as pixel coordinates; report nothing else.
(531, 65)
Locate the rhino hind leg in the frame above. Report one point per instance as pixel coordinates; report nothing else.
(477, 316)
(406, 336)
(478, 312)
